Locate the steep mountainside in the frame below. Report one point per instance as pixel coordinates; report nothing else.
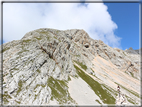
(51, 67)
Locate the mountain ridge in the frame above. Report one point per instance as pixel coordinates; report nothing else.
(132, 51)
(47, 60)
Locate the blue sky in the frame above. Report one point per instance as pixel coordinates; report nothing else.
(126, 16)
(116, 24)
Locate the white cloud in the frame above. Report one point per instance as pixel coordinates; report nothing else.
(94, 18)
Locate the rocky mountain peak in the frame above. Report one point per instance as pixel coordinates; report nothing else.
(55, 67)
(132, 51)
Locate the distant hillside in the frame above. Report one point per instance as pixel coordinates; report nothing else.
(132, 51)
(138, 50)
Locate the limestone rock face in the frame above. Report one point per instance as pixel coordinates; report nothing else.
(139, 51)
(38, 69)
(132, 51)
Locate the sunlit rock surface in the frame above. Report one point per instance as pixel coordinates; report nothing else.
(55, 67)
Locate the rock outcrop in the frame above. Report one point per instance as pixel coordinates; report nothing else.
(132, 51)
(139, 50)
(40, 68)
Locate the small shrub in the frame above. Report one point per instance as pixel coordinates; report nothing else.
(98, 102)
(6, 96)
(19, 86)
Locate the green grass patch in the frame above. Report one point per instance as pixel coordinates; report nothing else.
(55, 37)
(126, 72)
(6, 96)
(26, 41)
(59, 40)
(38, 38)
(17, 101)
(124, 53)
(59, 90)
(130, 99)
(38, 70)
(111, 90)
(44, 32)
(75, 76)
(69, 79)
(35, 97)
(39, 85)
(57, 31)
(98, 102)
(5, 74)
(4, 49)
(82, 66)
(36, 86)
(104, 95)
(48, 38)
(132, 74)
(15, 69)
(19, 86)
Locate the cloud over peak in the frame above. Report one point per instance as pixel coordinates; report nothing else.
(20, 18)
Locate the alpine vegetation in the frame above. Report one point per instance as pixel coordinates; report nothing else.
(67, 67)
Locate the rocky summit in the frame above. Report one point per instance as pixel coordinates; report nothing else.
(67, 67)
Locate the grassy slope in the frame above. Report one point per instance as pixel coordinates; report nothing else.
(59, 90)
(104, 95)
